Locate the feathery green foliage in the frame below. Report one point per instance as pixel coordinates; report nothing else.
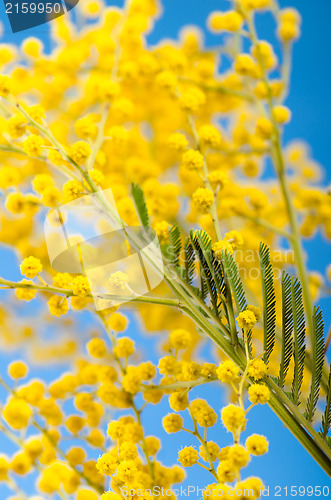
(326, 418)
(269, 301)
(318, 361)
(299, 347)
(189, 262)
(220, 281)
(175, 245)
(201, 242)
(234, 279)
(287, 328)
(140, 204)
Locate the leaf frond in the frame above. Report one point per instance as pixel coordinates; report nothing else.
(175, 244)
(299, 330)
(287, 328)
(202, 244)
(318, 361)
(326, 418)
(269, 301)
(232, 274)
(140, 204)
(189, 261)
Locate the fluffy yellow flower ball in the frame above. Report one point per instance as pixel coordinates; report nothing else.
(188, 456)
(80, 152)
(17, 413)
(226, 471)
(222, 246)
(32, 145)
(58, 306)
(256, 444)
(115, 430)
(80, 286)
(246, 320)
(117, 322)
(32, 47)
(172, 423)
(107, 464)
(178, 401)
(124, 347)
(282, 114)
(178, 141)
(225, 21)
(210, 136)
(233, 418)
(227, 372)
(17, 369)
(192, 160)
(213, 450)
(258, 369)
(203, 198)
(97, 348)
(238, 456)
(258, 393)
(127, 471)
(31, 267)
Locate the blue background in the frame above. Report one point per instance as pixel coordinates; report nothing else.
(287, 463)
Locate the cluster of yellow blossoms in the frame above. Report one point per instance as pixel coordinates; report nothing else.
(105, 110)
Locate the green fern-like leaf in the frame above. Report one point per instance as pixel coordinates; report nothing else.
(299, 347)
(287, 328)
(189, 261)
(269, 301)
(140, 204)
(215, 267)
(232, 275)
(327, 438)
(318, 361)
(326, 418)
(219, 274)
(201, 242)
(175, 245)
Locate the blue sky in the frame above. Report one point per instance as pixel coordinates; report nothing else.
(287, 463)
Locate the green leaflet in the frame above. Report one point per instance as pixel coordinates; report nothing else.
(299, 347)
(318, 361)
(140, 204)
(269, 301)
(220, 281)
(234, 279)
(175, 245)
(287, 328)
(189, 262)
(326, 418)
(201, 243)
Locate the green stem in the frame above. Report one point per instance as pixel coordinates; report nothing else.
(205, 447)
(300, 418)
(267, 225)
(302, 436)
(297, 246)
(69, 293)
(180, 385)
(280, 170)
(219, 88)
